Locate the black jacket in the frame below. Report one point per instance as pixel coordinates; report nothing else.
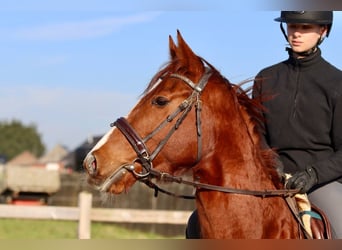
(304, 118)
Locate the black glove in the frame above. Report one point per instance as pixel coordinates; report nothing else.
(303, 180)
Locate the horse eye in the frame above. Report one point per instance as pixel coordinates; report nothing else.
(160, 101)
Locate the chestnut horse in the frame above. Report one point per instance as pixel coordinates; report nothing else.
(191, 117)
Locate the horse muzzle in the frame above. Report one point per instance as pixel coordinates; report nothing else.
(90, 164)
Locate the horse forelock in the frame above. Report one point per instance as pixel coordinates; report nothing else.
(182, 61)
(176, 65)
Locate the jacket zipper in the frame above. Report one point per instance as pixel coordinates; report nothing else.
(297, 69)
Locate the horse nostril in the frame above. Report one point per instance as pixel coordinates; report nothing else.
(90, 164)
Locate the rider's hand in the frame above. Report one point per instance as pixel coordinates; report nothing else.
(303, 180)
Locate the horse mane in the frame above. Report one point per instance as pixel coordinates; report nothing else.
(253, 107)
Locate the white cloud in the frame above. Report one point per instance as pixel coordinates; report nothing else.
(82, 29)
(110, 5)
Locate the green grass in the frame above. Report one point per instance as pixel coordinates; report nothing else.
(49, 229)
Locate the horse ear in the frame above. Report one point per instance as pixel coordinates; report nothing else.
(173, 48)
(184, 46)
(193, 61)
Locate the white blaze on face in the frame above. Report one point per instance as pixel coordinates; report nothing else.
(103, 140)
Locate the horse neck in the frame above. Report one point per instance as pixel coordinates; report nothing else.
(235, 157)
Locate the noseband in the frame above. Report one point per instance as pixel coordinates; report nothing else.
(145, 157)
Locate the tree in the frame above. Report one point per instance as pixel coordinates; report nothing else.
(16, 138)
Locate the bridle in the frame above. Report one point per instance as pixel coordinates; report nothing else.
(145, 157)
(139, 144)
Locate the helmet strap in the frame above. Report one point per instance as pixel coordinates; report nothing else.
(283, 31)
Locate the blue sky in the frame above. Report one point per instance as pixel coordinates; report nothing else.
(72, 67)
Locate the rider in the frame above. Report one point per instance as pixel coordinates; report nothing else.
(303, 121)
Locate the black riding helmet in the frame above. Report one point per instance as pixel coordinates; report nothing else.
(307, 17)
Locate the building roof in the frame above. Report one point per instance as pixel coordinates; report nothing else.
(54, 155)
(25, 158)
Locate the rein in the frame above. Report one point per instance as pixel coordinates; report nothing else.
(145, 158)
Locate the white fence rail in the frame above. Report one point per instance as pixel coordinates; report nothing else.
(85, 214)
